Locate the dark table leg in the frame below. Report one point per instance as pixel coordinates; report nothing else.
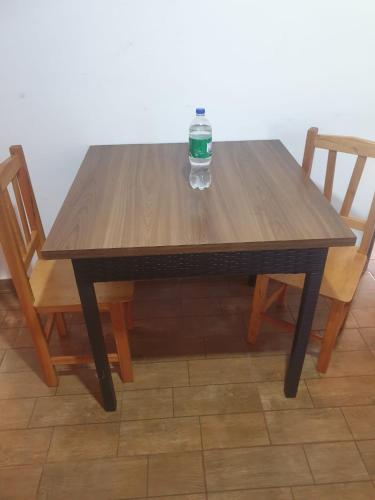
(94, 329)
(309, 299)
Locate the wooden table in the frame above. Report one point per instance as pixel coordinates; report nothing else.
(131, 214)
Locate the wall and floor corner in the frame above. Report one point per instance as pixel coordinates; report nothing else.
(91, 72)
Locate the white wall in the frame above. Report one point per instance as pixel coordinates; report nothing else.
(81, 72)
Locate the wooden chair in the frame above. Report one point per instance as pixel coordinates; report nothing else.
(51, 288)
(344, 265)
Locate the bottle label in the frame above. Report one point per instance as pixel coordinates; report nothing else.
(200, 148)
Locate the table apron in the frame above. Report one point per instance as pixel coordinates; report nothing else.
(101, 269)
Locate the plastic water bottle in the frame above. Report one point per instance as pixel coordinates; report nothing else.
(200, 151)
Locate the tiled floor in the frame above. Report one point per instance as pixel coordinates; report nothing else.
(205, 417)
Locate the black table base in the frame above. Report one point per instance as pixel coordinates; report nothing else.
(89, 271)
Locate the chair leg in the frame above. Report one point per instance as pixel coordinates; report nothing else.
(260, 294)
(61, 325)
(281, 299)
(41, 348)
(117, 313)
(128, 308)
(346, 312)
(336, 318)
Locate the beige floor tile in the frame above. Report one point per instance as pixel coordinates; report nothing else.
(206, 326)
(18, 360)
(364, 317)
(71, 410)
(23, 447)
(283, 313)
(149, 403)
(82, 442)
(256, 467)
(350, 363)
(321, 317)
(263, 494)
(224, 346)
(273, 368)
(350, 322)
(235, 305)
(19, 483)
(307, 426)
(208, 287)
(350, 339)
(160, 327)
(216, 399)
(198, 496)
(343, 491)
(157, 289)
(219, 371)
(361, 421)
(23, 385)
(272, 343)
(95, 479)
(13, 319)
(166, 435)
(231, 431)
(168, 308)
(363, 299)
(197, 307)
(240, 287)
(83, 380)
(367, 282)
(15, 413)
(8, 337)
(371, 267)
(367, 450)
(154, 375)
(166, 347)
(175, 473)
(368, 335)
(335, 462)
(344, 391)
(273, 398)
(8, 301)
(24, 338)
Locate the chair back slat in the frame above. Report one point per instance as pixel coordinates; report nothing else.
(342, 144)
(351, 145)
(13, 257)
(28, 197)
(8, 171)
(354, 222)
(21, 231)
(21, 209)
(353, 185)
(308, 156)
(330, 174)
(11, 214)
(30, 249)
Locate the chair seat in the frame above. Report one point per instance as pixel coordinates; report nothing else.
(54, 286)
(343, 270)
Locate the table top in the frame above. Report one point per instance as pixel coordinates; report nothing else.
(136, 200)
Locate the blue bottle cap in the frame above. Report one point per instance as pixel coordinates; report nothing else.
(200, 111)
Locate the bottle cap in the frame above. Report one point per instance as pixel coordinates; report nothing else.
(200, 111)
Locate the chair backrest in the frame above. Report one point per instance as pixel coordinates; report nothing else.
(354, 146)
(21, 230)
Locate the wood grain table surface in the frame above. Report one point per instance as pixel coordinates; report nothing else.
(136, 200)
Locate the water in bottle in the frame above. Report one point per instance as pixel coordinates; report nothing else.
(200, 151)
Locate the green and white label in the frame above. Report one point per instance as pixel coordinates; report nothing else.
(200, 148)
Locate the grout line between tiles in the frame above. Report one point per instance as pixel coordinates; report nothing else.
(308, 464)
(147, 476)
